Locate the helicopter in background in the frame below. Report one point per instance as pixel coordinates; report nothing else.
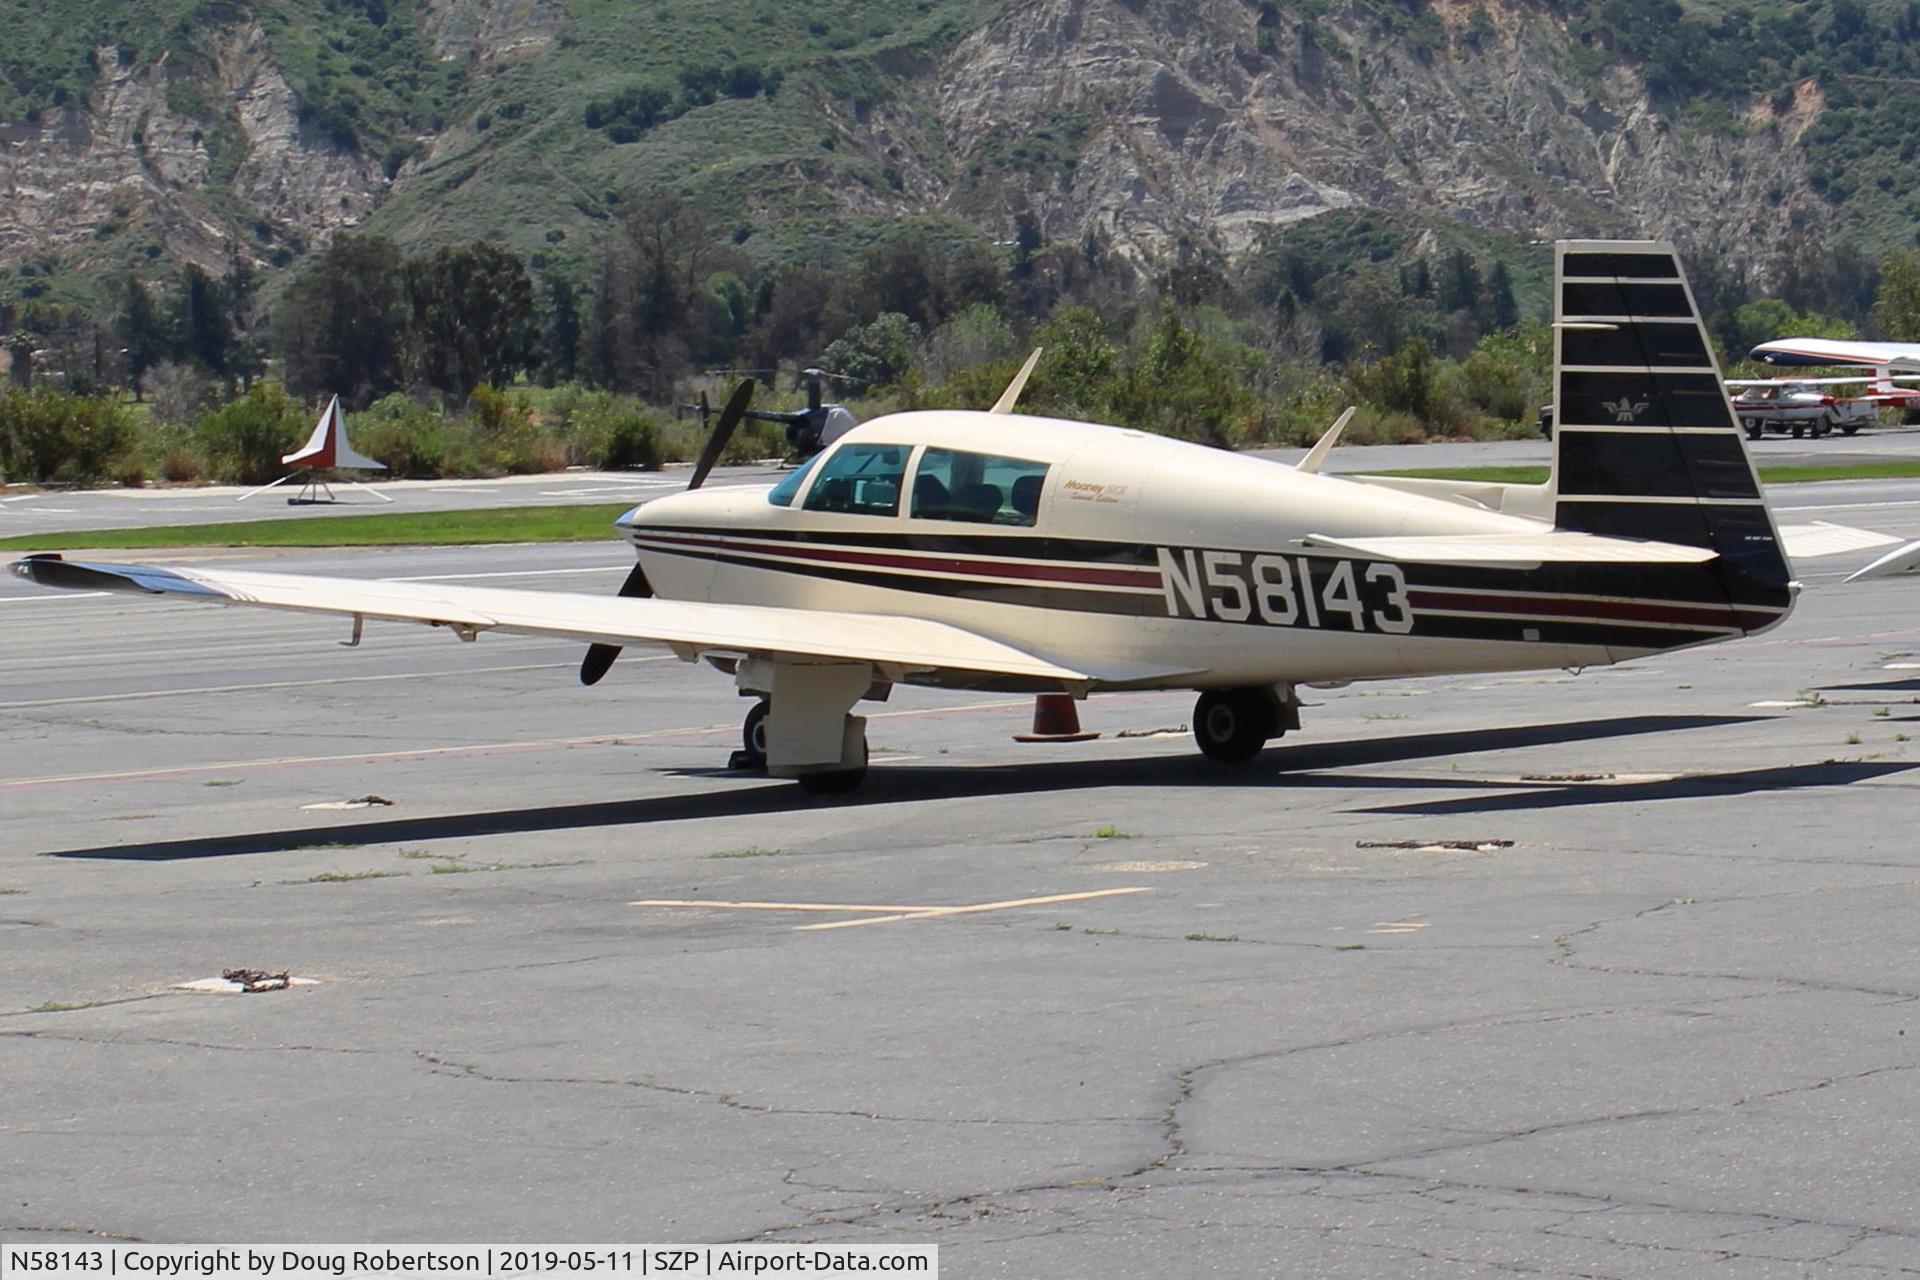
(808, 430)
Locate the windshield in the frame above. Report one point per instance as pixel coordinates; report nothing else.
(781, 494)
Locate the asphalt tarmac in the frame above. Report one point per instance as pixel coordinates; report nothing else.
(1604, 975)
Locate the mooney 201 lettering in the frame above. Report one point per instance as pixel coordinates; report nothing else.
(984, 550)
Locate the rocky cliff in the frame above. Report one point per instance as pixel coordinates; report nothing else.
(1154, 122)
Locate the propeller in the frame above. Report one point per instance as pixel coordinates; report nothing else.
(600, 655)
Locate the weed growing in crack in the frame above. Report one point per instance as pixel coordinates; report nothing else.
(1112, 833)
(1213, 937)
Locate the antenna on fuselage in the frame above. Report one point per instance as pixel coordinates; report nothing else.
(1317, 456)
(1005, 403)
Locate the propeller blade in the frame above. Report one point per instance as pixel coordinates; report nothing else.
(722, 432)
(600, 656)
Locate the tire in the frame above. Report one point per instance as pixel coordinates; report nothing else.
(1233, 725)
(753, 737)
(1799, 430)
(838, 782)
(1849, 428)
(1754, 429)
(1823, 428)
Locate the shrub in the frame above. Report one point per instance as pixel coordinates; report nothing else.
(47, 434)
(244, 439)
(633, 440)
(410, 438)
(508, 435)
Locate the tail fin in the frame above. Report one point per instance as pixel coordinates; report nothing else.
(1645, 444)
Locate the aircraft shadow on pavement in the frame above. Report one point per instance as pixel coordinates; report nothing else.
(1827, 773)
(1282, 767)
(1888, 686)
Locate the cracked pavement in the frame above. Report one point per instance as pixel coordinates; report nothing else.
(1671, 1031)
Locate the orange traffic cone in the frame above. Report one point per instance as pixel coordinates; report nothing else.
(1055, 719)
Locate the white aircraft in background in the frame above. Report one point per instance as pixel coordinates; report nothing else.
(1891, 362)
(983, 550)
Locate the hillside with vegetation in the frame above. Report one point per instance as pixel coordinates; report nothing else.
(515, 233)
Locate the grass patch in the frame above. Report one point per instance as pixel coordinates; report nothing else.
(341, 877)
(577, 523)
(1213, 937)
(1351, 946)
(750, 852)
(1112, 833)
(64, 1006)
(1102, 933)
(1769, 475)
(466, 868)
(221, 782)
(7, 893)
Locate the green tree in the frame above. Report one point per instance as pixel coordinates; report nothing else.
(341, 328)
(245, 438)
(142, 335)
(1498, 308)
(1896, 308)
(472, 316)
(203, 328)
(877, 353)
(562, 331)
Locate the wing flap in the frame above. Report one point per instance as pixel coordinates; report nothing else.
(1516, 550)
(692, 628)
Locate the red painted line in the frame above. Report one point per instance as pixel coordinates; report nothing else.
(930, 563)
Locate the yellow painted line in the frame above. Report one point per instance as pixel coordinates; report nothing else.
(931, 913)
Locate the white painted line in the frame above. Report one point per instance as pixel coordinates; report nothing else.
(931, 913)
(298, 684)
(67, 595)
(1850, 506)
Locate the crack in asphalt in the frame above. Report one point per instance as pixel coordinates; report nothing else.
(467, 1071)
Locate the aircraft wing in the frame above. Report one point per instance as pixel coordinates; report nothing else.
(898, 645)
(1809, 351)
(1517, 550)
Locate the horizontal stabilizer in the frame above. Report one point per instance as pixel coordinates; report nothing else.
(1892, 564)
(1517, 550)
(1809, 541)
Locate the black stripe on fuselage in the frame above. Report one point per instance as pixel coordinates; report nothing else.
(1655, 464)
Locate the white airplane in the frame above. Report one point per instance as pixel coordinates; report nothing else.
(1892, 363)
(327, 449)
(982, 550)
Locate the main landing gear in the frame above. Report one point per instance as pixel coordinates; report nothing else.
(752, 757)
(1234, 725)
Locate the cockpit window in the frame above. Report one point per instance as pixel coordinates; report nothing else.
(781, 494)
(860, 479)
(977, 487)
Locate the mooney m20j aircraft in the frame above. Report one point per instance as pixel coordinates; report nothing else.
(987, 551)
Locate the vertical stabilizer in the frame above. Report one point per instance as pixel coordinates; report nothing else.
(1645, 443)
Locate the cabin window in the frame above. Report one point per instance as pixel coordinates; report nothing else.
(860, 479)
(782, 494)
(977, 487)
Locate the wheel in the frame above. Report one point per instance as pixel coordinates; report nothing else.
(1822, 428)
(1232, 725)
(753, 737)
(1799, 430)
(1849, 428)
(1754, 429)
(838, 782)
